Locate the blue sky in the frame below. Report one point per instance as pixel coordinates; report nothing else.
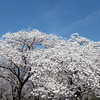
(59, 17)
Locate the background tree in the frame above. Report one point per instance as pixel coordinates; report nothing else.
(67, 70)
(5, 89)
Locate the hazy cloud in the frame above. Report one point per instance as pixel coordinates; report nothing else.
(91, 18)
(50, 14)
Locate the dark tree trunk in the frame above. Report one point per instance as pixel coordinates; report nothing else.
(20, 90)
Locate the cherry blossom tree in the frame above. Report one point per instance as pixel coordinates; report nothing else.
(15, 53)
(70, 69)
(5, 89)
(58, 68)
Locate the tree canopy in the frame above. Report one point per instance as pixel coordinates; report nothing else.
(58, 68)
(69, 69)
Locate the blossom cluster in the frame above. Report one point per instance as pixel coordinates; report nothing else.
(60, 69)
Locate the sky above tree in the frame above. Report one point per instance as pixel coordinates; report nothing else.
(59, 17)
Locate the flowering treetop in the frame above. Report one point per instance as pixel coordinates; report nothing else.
(16, 51)
(60, 69)
(69, 69)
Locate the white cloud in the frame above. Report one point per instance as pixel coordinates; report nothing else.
(50, 14)
(59, 9)
(91, 18)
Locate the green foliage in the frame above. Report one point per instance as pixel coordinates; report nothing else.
(94, 96)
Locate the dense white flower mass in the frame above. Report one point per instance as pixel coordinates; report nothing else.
(59, 69)
(70, 68)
